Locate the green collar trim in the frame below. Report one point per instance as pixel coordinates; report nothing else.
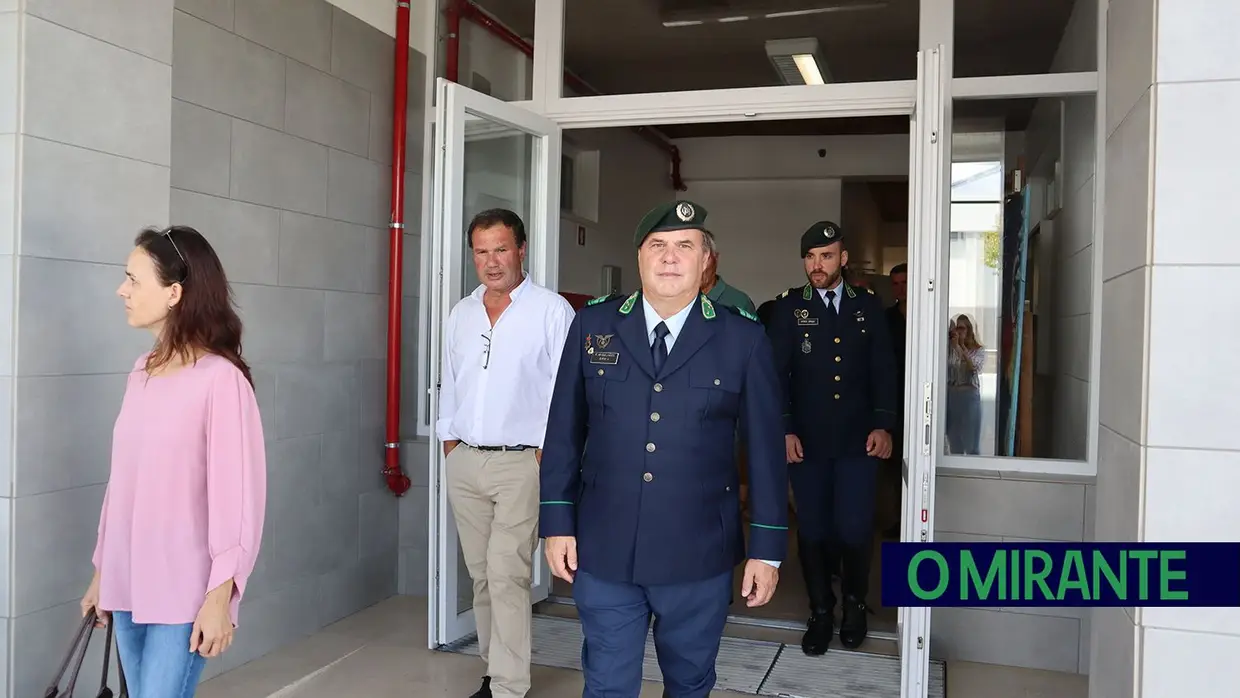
(627, 306)
(708, 308)
(807, 292)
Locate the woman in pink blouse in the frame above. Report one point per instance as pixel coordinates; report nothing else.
(183, 514)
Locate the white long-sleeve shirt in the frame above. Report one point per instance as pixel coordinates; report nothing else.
(496, 382)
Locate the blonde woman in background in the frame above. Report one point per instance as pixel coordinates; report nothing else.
(965, 358)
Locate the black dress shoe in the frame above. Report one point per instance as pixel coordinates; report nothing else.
(485, 691)
(818, 633)
(853, 627)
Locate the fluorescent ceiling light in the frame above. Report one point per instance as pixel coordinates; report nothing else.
(808, 68)
(797, 61)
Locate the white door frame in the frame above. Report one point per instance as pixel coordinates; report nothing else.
(930, 154)
(455, 104)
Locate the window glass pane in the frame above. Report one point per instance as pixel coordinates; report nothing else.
(1024, 37)
(1017, 367)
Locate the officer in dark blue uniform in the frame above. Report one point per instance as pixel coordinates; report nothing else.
(834, 358)
(639, 477)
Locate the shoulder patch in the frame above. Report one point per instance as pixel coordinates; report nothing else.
(782, 295)
(869, 291)
(746, 314)
(602, 299)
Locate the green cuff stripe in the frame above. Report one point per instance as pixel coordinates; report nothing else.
(772, 528)
(554, 502)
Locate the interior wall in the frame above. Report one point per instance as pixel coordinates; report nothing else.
(633, 177)
(758, 225)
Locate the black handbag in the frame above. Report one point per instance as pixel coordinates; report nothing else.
(77, 654)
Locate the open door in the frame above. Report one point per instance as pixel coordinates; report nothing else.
(488, 154)
(928, 170)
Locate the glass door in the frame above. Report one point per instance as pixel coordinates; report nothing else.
(488, 154)
(928, 168)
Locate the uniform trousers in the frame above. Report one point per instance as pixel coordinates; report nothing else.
(688, 625)
(494, 498)
(835, 520)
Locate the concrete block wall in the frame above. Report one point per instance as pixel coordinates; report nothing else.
(1169, 461)
(84, 160)
(993, 509)
(265, 124)
(281, 151)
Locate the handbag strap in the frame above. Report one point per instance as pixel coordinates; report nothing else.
(104, 691)
(120, 669)
(81, 657)
(53, 688)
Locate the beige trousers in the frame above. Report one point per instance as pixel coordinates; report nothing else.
(494, 498)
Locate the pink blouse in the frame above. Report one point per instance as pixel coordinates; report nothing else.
(183, 512)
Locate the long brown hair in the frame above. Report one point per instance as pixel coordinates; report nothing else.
(204, 320)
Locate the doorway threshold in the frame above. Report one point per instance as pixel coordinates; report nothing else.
(753, 667)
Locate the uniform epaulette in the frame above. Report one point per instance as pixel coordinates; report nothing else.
(782, 295)
(743, 313)
(869, 291)
(603, 299)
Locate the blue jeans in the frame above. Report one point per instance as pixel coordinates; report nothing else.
(156, 658)
(964, 420)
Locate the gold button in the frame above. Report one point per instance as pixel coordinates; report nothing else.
(600, 371)
(716, 381)
(806, 334)
(647, 477)
(654, 416)
(838, 359)
(658, 387)
(650, 448)
(837, 340)
(837, 396)
(837, 379)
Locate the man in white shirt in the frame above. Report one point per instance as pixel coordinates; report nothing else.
(502, 351)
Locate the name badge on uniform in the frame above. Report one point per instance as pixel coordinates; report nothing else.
(609, 358)
(804, 320)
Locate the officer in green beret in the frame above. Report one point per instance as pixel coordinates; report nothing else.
(834, 358)
(643, 515)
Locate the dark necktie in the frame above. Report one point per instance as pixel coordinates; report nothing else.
(659, 349)
(831, 306)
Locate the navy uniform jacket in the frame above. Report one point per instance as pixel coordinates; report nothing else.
(839, 385)
(641, 468)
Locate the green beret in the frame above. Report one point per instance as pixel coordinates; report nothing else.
(677, 215)
(820, 234)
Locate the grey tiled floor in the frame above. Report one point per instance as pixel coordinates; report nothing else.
(381, 652)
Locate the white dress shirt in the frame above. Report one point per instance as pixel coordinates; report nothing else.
(496, 382)
(822, 293)
(675, 324)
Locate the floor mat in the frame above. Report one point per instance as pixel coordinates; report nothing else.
(754, 667)
(842, 674)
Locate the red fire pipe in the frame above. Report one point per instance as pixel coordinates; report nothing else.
(464, 9)
(397, 481)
